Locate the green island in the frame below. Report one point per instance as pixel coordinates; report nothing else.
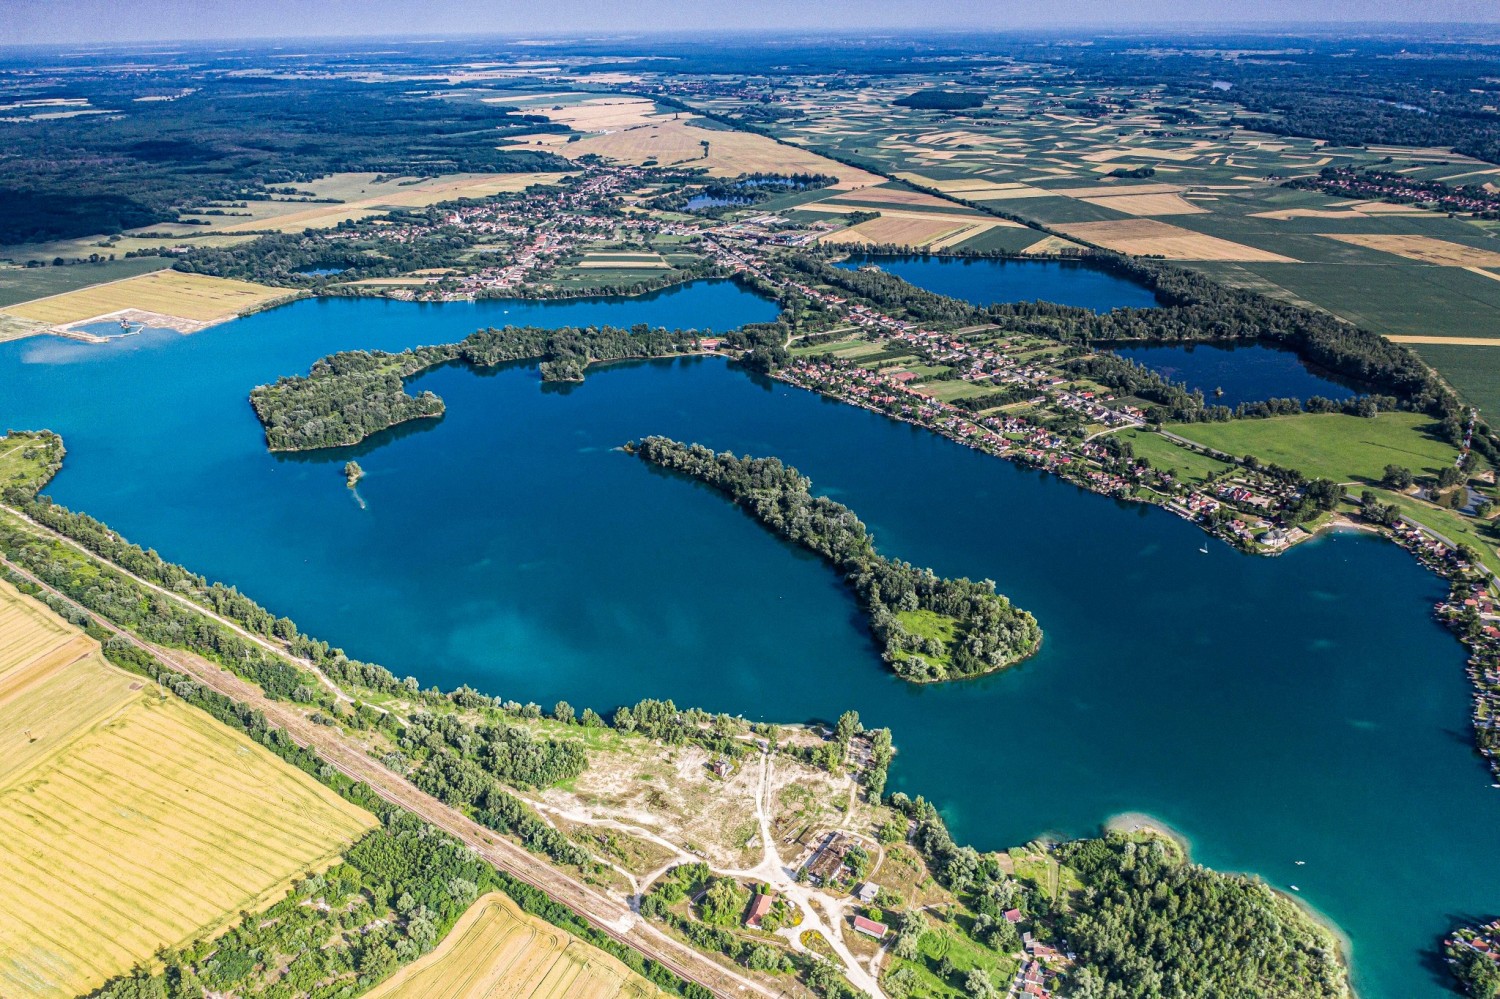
(929, 628)
(348, 396)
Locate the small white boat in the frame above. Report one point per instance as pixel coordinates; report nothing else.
(1299, 863)
(1294, 888)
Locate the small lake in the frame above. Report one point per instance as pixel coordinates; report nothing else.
(987, 280)
(1301, 708)
(1244, 372)
(698, 201)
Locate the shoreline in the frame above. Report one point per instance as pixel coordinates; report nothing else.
(1144, 822)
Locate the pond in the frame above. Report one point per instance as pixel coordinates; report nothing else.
(986, 280)
(1229, 374)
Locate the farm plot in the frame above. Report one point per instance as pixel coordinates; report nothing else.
(186, 302)
(1424, 249)
(495, 949)
(371, 198)
(905, 230)
(678, 142)
(129, 820)
(1148, 237)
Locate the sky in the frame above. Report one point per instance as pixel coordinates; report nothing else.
(74, 21)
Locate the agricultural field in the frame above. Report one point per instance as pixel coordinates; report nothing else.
(635, 132)
(130, 821)
(1140, 173)
(23, 284)
(1167, 456)
(495, 949)
(1331, 445)
(186, 302)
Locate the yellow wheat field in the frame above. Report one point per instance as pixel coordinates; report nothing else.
(908, 231)
(496, 950)
(1148, 204)
(391, 196)
(1424, 249)
(130, 821)
(194, 298)
(677, 142)
(1148, 236)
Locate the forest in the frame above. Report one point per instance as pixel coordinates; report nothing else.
(932, 99)
(232, 138)
(929, 628)
(1147, 923)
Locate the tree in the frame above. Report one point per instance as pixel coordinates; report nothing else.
(563, 711)
(724, 902)
(1449, 476)
(909, 940)
(979, 985)
(847, 728)
(1397, 477)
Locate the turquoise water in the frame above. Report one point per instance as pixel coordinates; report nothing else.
(1273, 710)
(987, 280)
(1245, 372)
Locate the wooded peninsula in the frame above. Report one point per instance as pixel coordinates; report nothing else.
(929, 628)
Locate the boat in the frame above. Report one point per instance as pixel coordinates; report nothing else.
(1294, 888)
(1299, 863)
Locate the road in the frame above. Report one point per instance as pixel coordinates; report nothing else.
(611, 916)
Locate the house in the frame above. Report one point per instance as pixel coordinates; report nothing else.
(1012, 916)
(721, 767)
(870, 928)
(867, 892)
(759, 909)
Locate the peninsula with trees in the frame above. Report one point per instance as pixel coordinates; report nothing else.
(929, 628)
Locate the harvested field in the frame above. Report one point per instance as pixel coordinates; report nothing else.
(1424, 249)
(894, 196)
(391, 196)
(624, 261)
(679, 143)
(194, 299)
(604, 113)
(130, 821)
(496, 950)
(1148, 204)
(907, 231)
(1116, 190)
(1149, 237)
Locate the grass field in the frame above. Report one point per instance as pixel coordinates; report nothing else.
(1331, 445)
(1166, 456)
(130, 821)
(195, 298)
(23, 284)
(497, 950)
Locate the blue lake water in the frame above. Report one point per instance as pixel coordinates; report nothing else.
(1244, 372)
(988, 280)
(1298, 708)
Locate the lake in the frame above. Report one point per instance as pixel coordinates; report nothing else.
(1243, 372)
(986, 280)
(1304, 707)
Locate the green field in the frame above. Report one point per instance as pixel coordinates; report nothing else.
(1331, 445)
(1473, 370)
(1165, 456)
(22, 284)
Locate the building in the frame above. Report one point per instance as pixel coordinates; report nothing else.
(759, 909)
(870, 928)
(867, 892)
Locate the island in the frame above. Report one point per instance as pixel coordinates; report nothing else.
(929, 628)
(348, 396)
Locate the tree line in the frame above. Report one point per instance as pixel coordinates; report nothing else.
(988, 633)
